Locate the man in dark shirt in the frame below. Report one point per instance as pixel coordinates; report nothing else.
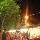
(3, 36)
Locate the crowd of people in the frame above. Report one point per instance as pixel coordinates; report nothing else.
(14, 36)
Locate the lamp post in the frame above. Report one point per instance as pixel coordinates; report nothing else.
(26, 18)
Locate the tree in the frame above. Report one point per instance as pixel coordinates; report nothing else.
(9, 13)
(12, 22)
(17, 0)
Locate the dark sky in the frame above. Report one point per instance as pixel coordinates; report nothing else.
(33, 8)
(34, 5)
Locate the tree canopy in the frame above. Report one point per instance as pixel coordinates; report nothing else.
(9, 13)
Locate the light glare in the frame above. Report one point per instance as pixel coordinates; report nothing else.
(24, 30)
(26, 17)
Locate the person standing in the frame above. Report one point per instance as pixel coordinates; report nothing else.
(18, 36)
(8, 37)
(3, 36)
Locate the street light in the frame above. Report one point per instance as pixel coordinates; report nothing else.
(26, 17)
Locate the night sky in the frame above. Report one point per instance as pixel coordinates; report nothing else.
(33, 8)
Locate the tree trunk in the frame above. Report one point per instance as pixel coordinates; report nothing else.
(2, 27)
